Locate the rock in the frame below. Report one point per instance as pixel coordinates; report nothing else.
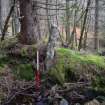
(103, 103)
(40, 103)
(93, 102)
(77, 104)
(102, 53)
(64, 102)
(57, 96)
(54, 42)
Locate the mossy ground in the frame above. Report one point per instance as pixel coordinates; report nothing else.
(71, 66)
(21, 68)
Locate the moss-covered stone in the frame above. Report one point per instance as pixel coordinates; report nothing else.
(70, 64)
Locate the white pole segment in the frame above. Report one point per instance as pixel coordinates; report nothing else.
(37, 60)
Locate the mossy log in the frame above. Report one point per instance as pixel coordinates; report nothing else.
(28, 51)
(12, 47)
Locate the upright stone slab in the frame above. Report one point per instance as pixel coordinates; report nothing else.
(54, 42)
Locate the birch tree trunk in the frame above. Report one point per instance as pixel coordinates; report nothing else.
(15, 20)
(4, 10)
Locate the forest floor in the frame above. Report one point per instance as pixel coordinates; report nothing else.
(23, 92)
(73, 78)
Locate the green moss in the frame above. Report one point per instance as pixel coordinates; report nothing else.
(76, 56)
(33, 49)
(24, 51)
(68, 61)
(3, 64)
(19, 67)
(99, 83)
(94, 59)
(4, 60)
(58, 74)
(28, 50)
(24, 71)
(9, 41)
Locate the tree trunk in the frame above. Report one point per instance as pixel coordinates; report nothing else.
(67, 22)
(96, 40)
(0, 18)
(15, 21)
(4, 10)
(48, 17)
(73, 40)
(83, 25)
(5, 28)
(29, 32)
(57, 13)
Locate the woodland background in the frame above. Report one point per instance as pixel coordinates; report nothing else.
(70, 38)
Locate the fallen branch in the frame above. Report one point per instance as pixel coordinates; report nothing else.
(13, 95)
(73, 86)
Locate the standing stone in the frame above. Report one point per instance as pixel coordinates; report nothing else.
(54, 42)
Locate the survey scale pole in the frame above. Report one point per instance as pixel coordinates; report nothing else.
(37, 75)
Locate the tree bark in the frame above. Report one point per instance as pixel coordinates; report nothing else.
(15, 20)
(29, 32)
(83, 25)
(67, 22)
(5, 28)
(4, 10)
(0, 18)
(96, 40)
(5, 4)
